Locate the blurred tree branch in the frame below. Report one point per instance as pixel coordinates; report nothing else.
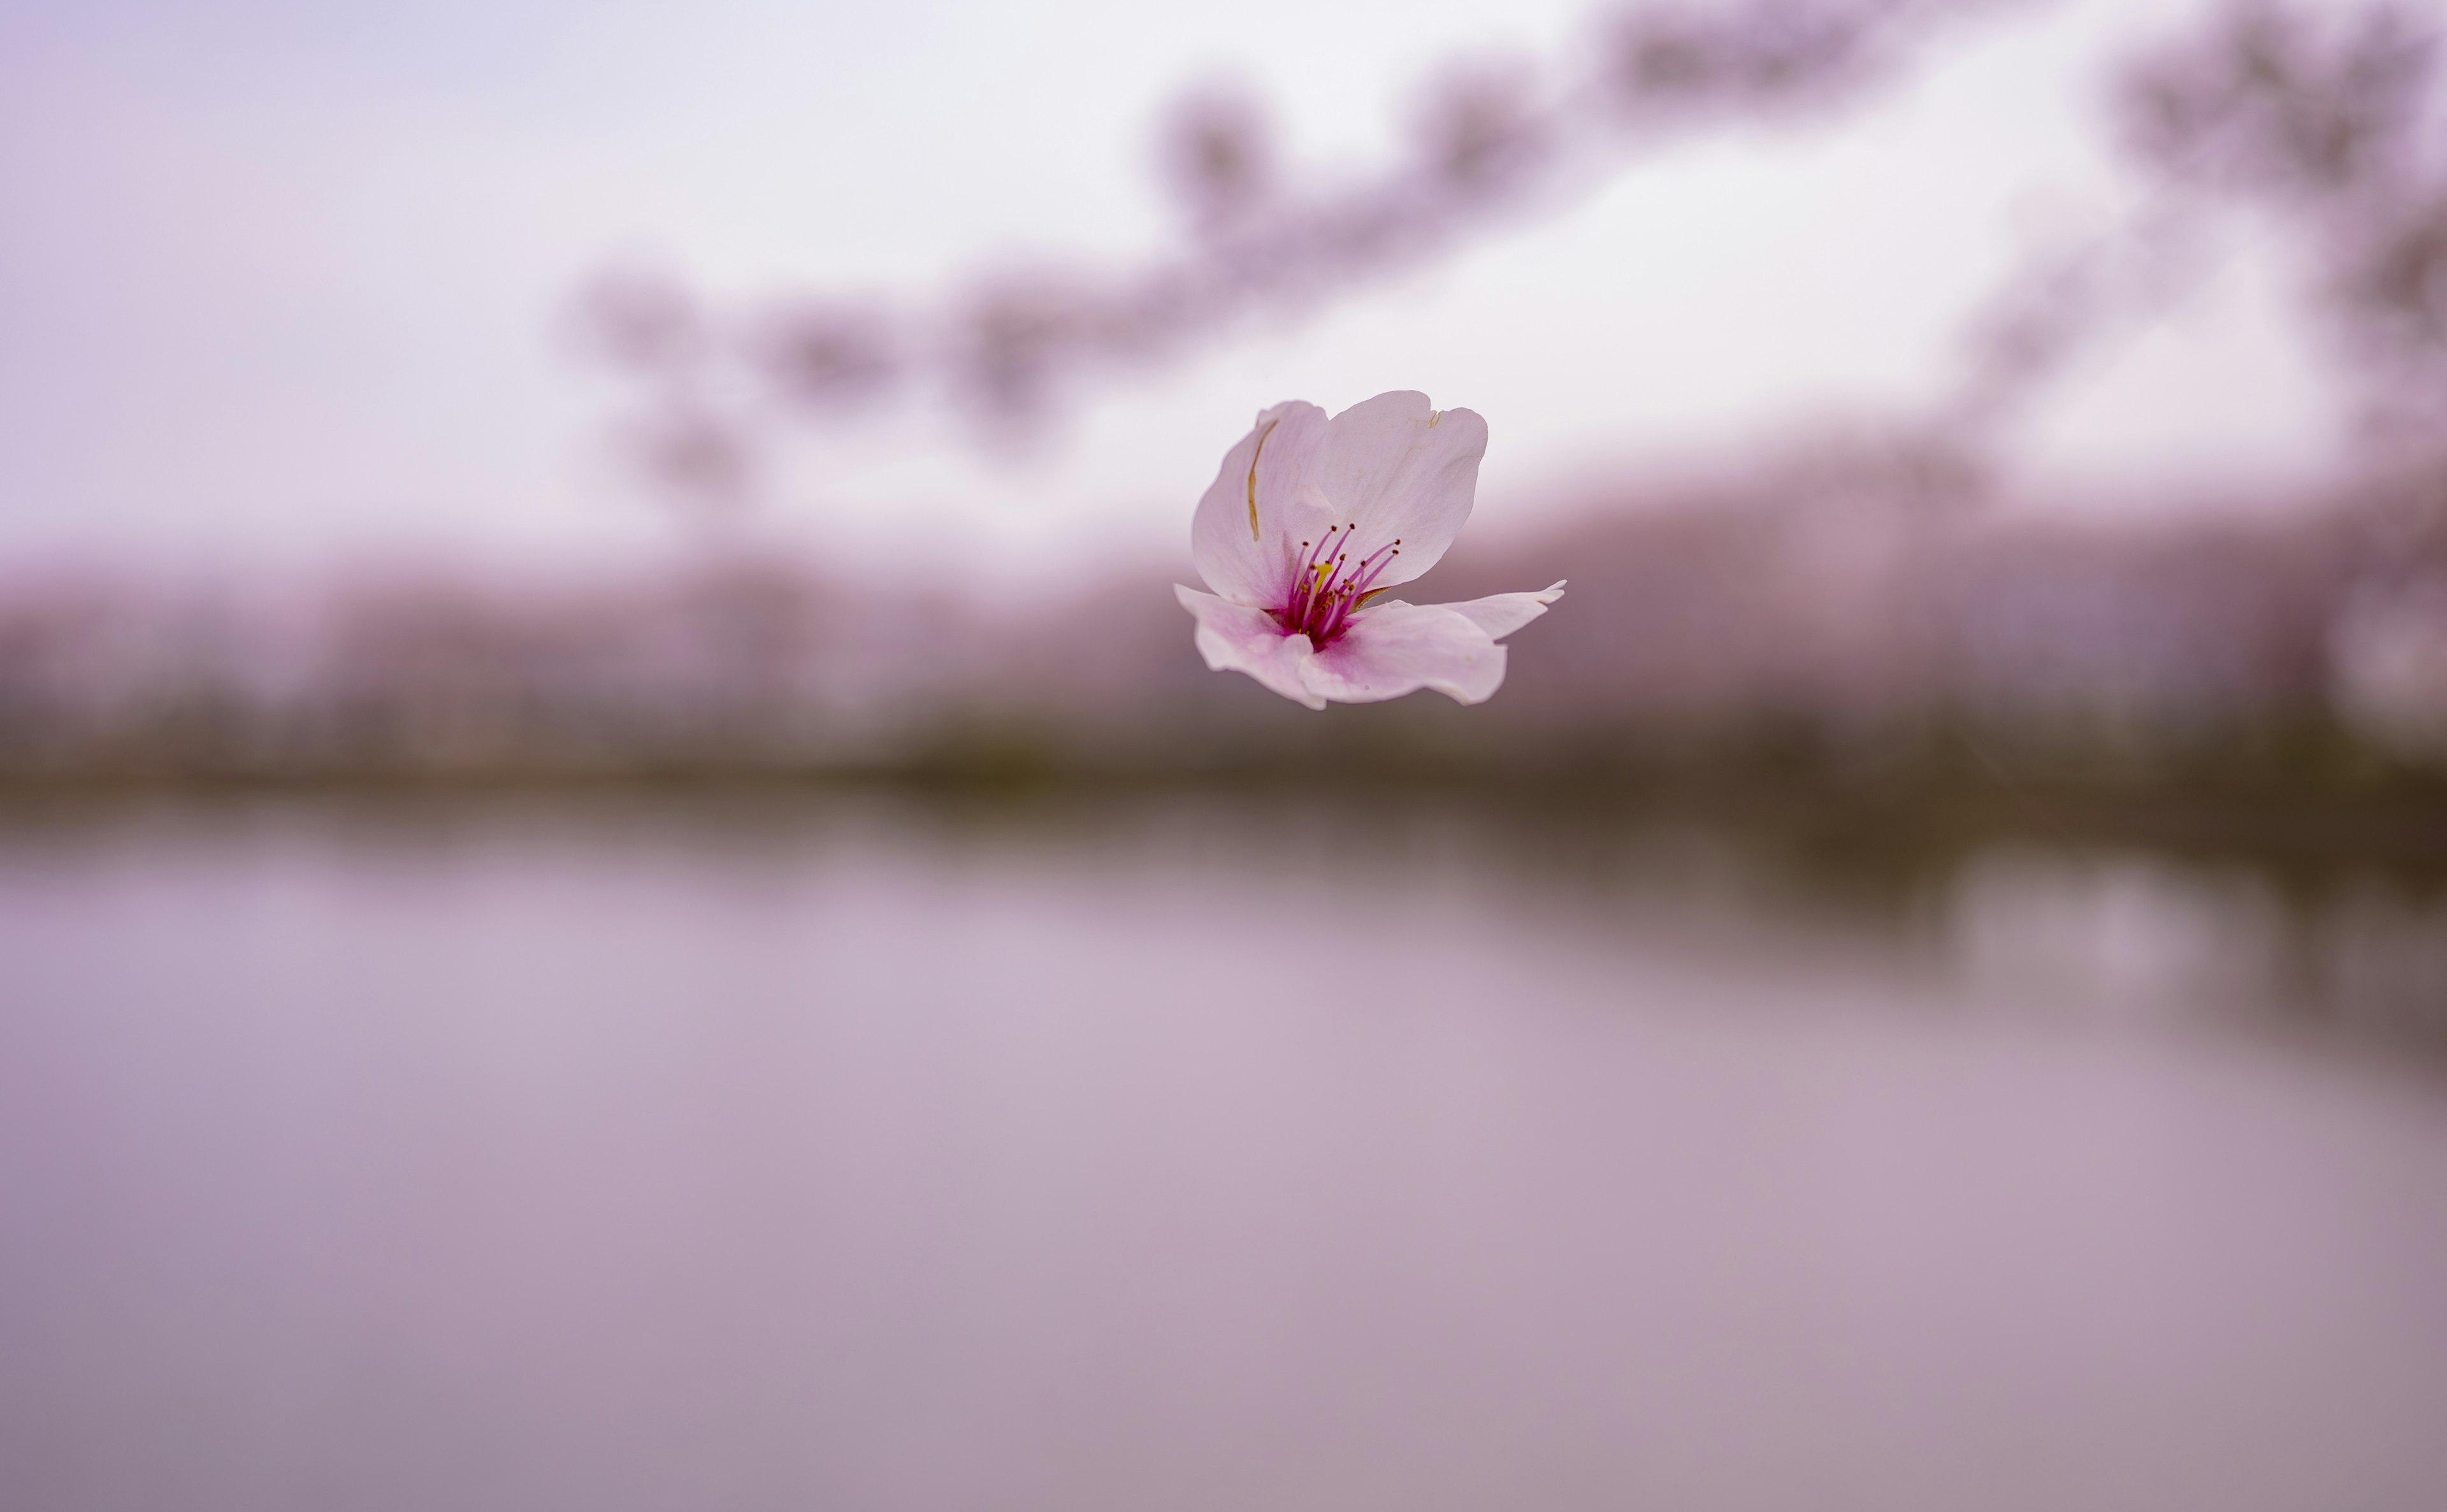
(1018, 344)
(2325, 120)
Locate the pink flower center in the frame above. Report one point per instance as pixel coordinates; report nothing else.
(1327, 589)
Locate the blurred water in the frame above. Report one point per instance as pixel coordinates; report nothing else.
(1196, 1153)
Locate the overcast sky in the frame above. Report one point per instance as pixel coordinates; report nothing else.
(289, 279)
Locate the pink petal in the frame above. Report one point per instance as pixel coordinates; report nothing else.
(1268, 465)
(1397, 647)
(1397, 468)
(1500, 615)
(1235, 637)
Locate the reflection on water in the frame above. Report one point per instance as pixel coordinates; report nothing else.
(1198, 1154)
(2145, 934)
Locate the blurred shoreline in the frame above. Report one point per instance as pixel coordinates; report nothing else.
(1849, 632)
(1898, 818)
(2329, 915)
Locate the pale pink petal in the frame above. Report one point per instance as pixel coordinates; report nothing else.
(1500, 615)
(1237, 638)
(1238, 539)
(1397, 647)
(1397, 468)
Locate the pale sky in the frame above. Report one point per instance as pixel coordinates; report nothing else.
(290, 280)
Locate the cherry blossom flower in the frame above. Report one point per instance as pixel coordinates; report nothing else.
(1311, 521)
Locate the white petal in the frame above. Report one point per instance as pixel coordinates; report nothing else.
(1397, 647)
(1238, 539)
(1399, 469)
(1500, 615)
(1237, 638)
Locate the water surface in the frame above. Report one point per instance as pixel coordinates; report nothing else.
(1196, 1153)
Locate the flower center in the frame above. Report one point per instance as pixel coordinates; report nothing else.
(1327, 589)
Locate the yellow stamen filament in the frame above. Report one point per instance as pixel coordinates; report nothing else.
(1255, 453)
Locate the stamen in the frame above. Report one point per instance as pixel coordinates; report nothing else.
(1328, 588)
(1255, 452)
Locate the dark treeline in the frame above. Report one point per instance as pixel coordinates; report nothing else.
(1844, 614)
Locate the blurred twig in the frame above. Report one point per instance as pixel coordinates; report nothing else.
(1016, 345)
